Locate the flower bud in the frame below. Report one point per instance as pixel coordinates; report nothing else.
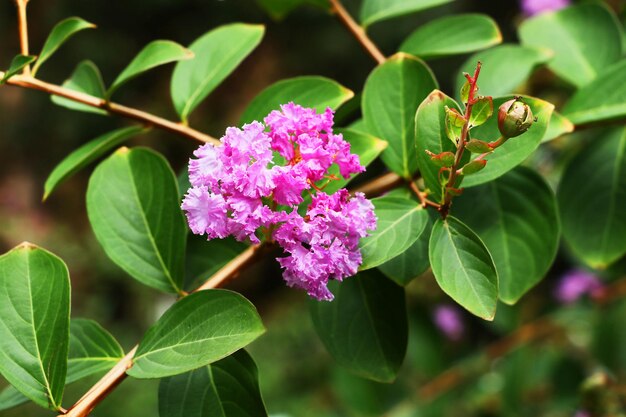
(514, 118)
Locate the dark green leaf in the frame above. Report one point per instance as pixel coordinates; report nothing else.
(217, 54)
(413, 262)
(430, 135)
(585, 39)
(278, 9)
(452, 35)
(59, 35)
(463, 267)
(481, 111)
(86, 154)
(35, 322)
(504, 69)
(391, 95)
(92, 350)
(310, 91)
(154, 54)
(603, 99)
(204, 258)
(86, 79)
(226, 388)
(365, 327)
(592, 197)
(377, 10)
(516, 217)
(515, 150)
(17, 64)
(199, 329)
(400, 223)
(133, 208)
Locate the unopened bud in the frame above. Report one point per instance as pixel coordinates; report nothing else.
(514, 118)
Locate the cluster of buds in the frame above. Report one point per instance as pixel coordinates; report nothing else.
(514, 118)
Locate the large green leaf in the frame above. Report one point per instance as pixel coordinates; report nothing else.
(516, 217)
(601, 100)
(86, 79)
(217, 54)
(86, 154)
(504, 68)
(34, 323)
(412, 262)
(61, 32)
(515, 150)
(463, 267)
(452, 35)
(204, 258)
(92, 350)
(400, 223)
(377, 10)
(391, 95)
(585, 39)
(133, 208)
(199, 329)
(154, 54)
(226, 388)
(592, 197)
(365, 327)
(430, 136)
(308, 91)
(17, 64)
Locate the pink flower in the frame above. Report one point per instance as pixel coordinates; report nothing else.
(448, 319)
(534, 7)
(575, 284)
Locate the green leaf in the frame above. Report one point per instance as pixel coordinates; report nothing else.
(365, 327)
(481, 111)
(377, 10)
(367, 147)
(400, 222)
(430, 135)
(87, 79)
(453, 35)
(505, 68)
(217, 54)
(515, 150)
(592, 197)
(17, 64)
(226, 388)
(585, 39)
(413, 262)
(516, 217)
(391, 95)
(603, 99)
(92, 350)
(455, 122)
(154, 54)
(204, 258)
(86, 154)
(558, 126)
(133, 208)
(278, 9)
(35, 322)
(199, 329)
(309, 91)
(463, 267)
(61, 32)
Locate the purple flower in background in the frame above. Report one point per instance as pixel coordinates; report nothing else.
(448, 319)
(236, 190)
(533, 7)
(575, 284)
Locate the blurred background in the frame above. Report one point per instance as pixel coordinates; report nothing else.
(576, 357)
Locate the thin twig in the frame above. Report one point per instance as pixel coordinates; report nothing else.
(22, 24)
(422, 196)
(357, 31)
(117, 374)
(379, 185)
(148, 119)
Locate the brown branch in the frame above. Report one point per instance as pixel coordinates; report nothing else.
(357, 31)
(379, 185)
(117, 374)
(422, 196)
(147, 119)
(23, 30)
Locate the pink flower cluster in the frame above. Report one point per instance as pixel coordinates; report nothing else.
(237, 189)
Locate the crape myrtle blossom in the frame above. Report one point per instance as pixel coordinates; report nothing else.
(239, 190)
(575, 284)
(534, 7)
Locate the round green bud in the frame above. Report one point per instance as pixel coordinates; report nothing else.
(514, 118)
